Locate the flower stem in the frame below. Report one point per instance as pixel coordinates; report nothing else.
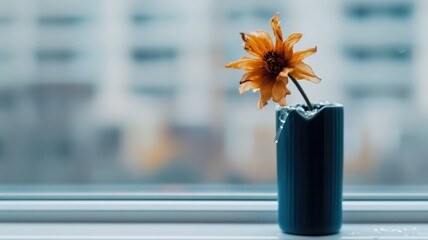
(302, 92)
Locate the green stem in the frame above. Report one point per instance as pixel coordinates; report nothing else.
(302, 92)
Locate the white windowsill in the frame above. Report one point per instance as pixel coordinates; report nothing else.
(213, 231)
(196, 211)
(197, 219)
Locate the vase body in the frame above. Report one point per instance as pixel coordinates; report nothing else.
(310, 172)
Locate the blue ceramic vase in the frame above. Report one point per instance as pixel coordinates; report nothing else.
(310, 170)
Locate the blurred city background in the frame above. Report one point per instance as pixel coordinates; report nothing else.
(135, 91)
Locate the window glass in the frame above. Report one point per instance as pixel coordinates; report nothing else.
(104, 92)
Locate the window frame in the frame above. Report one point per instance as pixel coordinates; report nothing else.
(357, 208)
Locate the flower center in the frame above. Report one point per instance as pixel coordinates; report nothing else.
(274, 63)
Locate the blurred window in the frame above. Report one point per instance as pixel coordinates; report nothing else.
(119, 93)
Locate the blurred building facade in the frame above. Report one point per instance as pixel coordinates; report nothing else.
(110, 91)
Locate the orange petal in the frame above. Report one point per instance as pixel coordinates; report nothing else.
(253, 45)
(246, 63)
(249, 81)
(253, 76)
(265, 93)
(250, 46)
(261, 104)
(278, 91)
(283, 75)
(246, 86)
(263, 39)
(276, 28)
(300, 55)
(260, 71)
(304, 71)
(251, 50)
(289, 44)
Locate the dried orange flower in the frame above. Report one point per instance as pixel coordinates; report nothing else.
(273, 65)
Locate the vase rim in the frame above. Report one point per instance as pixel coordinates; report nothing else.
(317, 105)
(301, 109)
